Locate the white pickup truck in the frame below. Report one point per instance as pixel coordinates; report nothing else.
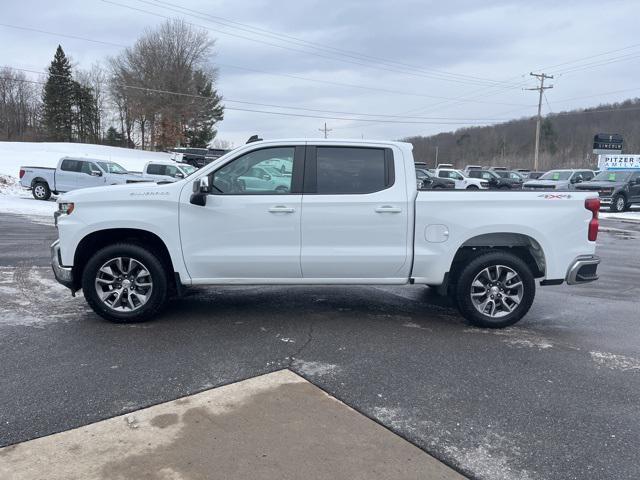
(166, 170)
(72, 174)
(351, 214)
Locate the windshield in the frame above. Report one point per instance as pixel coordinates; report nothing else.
(557, 175)
(111, 167)
(612, 176)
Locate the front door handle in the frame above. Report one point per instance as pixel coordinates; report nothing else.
(388, 209)
(281, 209)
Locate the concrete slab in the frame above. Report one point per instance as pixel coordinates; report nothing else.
(276, 426)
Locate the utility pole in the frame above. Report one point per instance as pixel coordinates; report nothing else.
(541, 89)
(437, 148)
(325, 130)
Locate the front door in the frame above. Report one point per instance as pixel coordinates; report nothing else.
(246, 234)
(354, 215)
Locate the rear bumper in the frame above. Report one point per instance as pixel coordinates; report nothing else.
(64, 275)
(583, 270)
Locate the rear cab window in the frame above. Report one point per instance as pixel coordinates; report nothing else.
(348, 170)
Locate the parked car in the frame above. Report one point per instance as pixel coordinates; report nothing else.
(496, 180)
(468, 168)
(167, 171)
(618, 189)
(353, 215)
(462, 181)
(559, 180)
(512, 175)
(428, 181)
(72, 174)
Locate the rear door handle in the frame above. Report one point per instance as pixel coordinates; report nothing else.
(388, 209)
(281, 209)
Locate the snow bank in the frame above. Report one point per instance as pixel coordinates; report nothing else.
(15, 199)
(13, 155)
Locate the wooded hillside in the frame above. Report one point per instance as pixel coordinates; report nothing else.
(566, 139)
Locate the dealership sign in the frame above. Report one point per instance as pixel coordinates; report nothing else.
(613, 162)
(604, 143)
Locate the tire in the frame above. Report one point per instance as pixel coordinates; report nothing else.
(618, 204)
(438, 187)
(41, 191)
(282, 189)
(514, 301)
(141, 260)
(473, 187)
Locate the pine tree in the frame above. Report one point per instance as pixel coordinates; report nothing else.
(58, 99)
(201, 129)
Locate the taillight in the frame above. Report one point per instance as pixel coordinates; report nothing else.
(593, 205)
(21, 173)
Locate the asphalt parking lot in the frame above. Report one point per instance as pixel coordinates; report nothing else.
(555, 397)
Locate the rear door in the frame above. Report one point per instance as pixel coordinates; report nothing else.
(67, 175)
(354, 214)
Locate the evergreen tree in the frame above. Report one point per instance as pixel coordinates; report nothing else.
(58, 99)
(200, 131)
(114, 137)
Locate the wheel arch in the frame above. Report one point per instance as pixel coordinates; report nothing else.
(39, 180)
(98, 239)
(520, 244)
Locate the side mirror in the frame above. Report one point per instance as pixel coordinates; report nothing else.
(179, 175)
(201, 190)
(96, 173)
(266, 176)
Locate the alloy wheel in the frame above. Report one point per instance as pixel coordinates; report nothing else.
(124, 284)
(496, 291)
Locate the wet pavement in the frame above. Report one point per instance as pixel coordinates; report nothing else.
(557, 396)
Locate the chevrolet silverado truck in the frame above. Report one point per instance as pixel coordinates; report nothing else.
(351, 215)
(166, 170)
(72, 174)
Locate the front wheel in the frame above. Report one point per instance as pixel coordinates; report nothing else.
(41, 191)
(618, 204)
(472, 187)
(495, 290)
(125, 283)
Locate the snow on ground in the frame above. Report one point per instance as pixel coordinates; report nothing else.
(633, 215)
(13, 155)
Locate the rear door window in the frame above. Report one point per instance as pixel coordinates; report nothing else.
(71, 165)
(352, 170)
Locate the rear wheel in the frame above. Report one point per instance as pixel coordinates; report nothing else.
(41, 191)
(618, 203)
(125, 283)
(495, 290)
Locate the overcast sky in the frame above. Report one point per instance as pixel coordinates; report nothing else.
(403, 58)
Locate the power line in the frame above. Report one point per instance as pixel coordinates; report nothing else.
(298, 50)
(289, 114)
(297, 77)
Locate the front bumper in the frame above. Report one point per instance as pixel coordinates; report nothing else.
(64, 275)
(583, 270)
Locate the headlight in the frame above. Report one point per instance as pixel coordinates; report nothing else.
(66, 208)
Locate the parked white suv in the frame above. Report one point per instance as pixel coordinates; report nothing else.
(462, 181)
(350, 214)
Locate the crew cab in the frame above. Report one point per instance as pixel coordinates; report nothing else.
(167, 170)
(72, 174)
(618, 189)
(462, 181)
(351, 215)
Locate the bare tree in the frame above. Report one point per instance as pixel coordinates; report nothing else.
(174, 58)
(19, 106)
